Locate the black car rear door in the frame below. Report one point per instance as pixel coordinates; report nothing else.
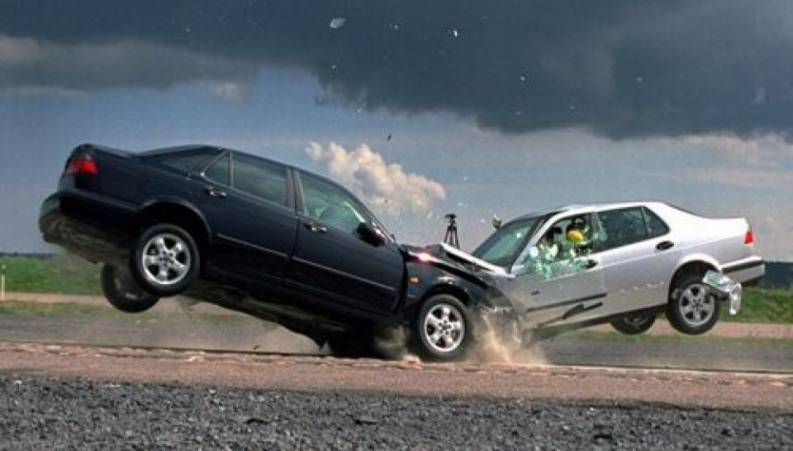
(332, 260)
(248, 203)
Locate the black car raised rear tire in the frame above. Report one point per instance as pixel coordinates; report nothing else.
(692, 309)
(165, 260)
(123, 292)
(443, 329)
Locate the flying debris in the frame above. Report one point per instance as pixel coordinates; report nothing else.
(337, 22)
(388, 138)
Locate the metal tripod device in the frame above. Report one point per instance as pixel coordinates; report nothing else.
(451, 237)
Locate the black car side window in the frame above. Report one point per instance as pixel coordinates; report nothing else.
(186, 161)
(331, 205)
(261, 178)
(622, 227)
(220, 171)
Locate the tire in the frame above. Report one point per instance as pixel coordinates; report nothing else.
(384, 343)
(635, 323)
(443, 329)
(123, 292)
(351, 347)
(164, 259)
(692, 309)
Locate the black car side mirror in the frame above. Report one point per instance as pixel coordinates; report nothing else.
(370, 234)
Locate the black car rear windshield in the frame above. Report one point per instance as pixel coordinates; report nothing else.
(504, 245)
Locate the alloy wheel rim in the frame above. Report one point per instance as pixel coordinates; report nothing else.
(697, 305)
(166, 259)
(444, 328)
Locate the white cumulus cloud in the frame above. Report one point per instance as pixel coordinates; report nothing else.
(386, 187)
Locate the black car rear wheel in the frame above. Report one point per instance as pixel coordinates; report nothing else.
(443, 330)
(164, 259)
(123, 292)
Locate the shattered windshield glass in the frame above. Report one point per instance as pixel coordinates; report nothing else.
(502, 247)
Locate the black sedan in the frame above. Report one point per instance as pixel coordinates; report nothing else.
(260, 237)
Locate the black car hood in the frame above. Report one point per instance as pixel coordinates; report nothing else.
(453, 260)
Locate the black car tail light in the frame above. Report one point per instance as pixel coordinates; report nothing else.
(83, 165)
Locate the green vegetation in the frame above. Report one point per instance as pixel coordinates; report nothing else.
(64, 274)
(762, 305)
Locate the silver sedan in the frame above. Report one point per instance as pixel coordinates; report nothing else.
(620, 263)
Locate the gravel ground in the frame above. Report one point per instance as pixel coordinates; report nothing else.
(40, 413)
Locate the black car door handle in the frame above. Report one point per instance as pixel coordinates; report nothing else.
(664, 245)
(214, 192)
(589, 264)
(316, 228)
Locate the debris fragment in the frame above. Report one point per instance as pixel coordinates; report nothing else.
(365, 419)
(246, 419)
(454, 32)
(337, 22)
(724, 287)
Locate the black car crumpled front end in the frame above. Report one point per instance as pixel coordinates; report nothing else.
(440, 267)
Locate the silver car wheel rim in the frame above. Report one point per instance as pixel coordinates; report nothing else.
(697, 305)
(444, 328)
(165, 260)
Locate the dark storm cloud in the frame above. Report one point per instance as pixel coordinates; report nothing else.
(624, 68)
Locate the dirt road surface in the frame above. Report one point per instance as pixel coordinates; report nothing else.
(321, 373)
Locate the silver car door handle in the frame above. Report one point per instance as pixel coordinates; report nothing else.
(316, 228)
(212, 191)
(664, 245)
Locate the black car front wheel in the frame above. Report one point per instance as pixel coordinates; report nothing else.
(443, 330)
(123, 292)
(164, 259)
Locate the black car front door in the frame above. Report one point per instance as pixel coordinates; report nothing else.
(332, 260)
(248, 204)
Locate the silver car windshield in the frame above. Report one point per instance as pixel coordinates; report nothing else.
(504, 245)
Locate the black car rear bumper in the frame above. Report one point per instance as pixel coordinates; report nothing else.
(93, 226)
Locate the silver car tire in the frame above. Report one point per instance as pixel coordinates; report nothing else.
(692, 309)
(634, 324)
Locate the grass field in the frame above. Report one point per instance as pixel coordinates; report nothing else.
(67, 274)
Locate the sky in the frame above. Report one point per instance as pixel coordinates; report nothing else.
(422, 108)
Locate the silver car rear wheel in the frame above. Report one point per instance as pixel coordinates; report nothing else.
(692, 308)
(697, 305)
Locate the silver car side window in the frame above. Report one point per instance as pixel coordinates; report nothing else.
(562, 248)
